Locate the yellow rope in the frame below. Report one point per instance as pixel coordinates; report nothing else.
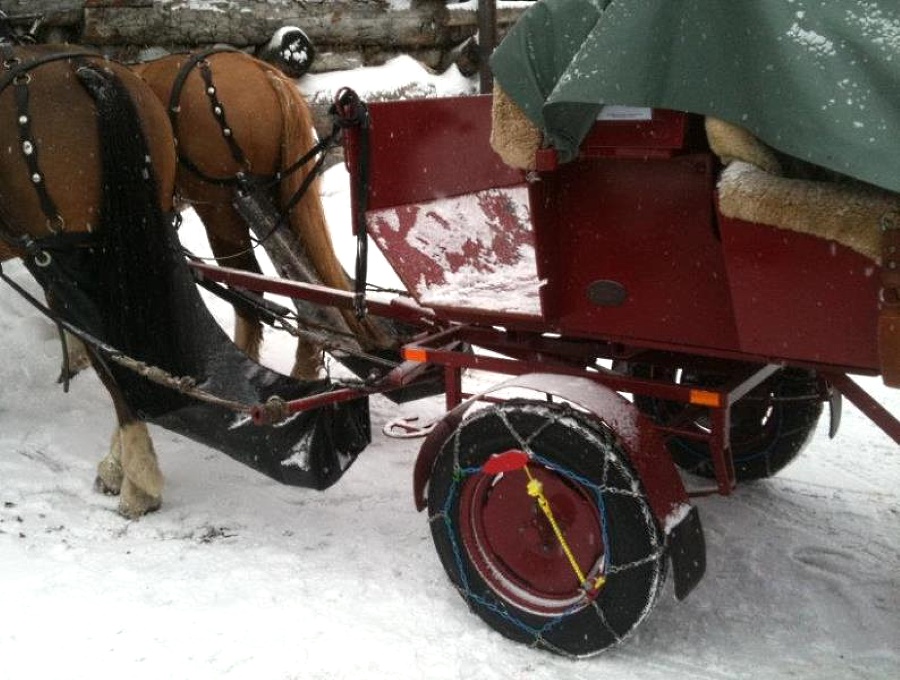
(536, 491)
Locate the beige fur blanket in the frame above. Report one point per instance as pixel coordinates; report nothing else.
(752, 188)
(847, 213)
(513, 136)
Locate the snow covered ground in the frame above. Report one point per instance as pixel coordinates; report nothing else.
(239, 577)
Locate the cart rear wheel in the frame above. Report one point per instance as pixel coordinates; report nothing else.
(769, 427)
(572, 567)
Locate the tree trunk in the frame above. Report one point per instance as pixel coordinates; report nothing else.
(330, 23)
(52, 12)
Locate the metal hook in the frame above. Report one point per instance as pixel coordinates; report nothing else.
(57, 224)
(42, 259)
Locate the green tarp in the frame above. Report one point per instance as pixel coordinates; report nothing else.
(816, 79)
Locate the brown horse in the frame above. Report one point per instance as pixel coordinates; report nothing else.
(86, 184)
(236, 116)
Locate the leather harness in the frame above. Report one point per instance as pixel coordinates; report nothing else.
(199, 61)
(17, 73)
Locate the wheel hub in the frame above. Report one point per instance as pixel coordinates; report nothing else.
(515, 547)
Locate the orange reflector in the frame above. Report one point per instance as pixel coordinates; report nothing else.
(416, 354)
(704, 398)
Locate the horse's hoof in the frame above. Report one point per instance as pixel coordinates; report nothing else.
(109, 477)
(137, 508)
(100, 486)
(136, 503)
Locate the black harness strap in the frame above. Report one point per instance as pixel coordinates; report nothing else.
(18, 74)
(248, 186)
(29, 148)
(15, 67)
(199, 60)
(218, 111)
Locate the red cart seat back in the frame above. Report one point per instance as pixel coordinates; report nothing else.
(451, 218)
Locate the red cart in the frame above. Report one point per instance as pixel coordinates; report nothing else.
(558, 508)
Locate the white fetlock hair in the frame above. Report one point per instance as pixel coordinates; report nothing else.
(139, 459)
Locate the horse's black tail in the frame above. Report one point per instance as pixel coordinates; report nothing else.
(135, 256)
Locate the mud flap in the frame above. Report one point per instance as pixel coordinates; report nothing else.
(687, 550)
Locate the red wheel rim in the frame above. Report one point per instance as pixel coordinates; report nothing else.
(512, 544)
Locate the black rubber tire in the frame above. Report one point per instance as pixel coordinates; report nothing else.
(581, 464)
(769, 427)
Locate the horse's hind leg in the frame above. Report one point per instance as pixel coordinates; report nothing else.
(142, 482)
(229, 239)
(307, 361)
(130, 469)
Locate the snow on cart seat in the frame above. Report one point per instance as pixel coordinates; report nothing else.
(473, 251)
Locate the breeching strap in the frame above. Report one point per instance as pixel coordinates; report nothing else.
(174, 108)
(18, 74)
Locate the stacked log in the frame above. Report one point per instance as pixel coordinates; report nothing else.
(346, 32)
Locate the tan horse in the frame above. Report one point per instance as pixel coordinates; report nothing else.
(87, 174)
(232, 113)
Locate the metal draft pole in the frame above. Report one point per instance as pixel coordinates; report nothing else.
(487, 40)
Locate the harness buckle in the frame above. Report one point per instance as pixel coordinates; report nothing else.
(56, 224)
